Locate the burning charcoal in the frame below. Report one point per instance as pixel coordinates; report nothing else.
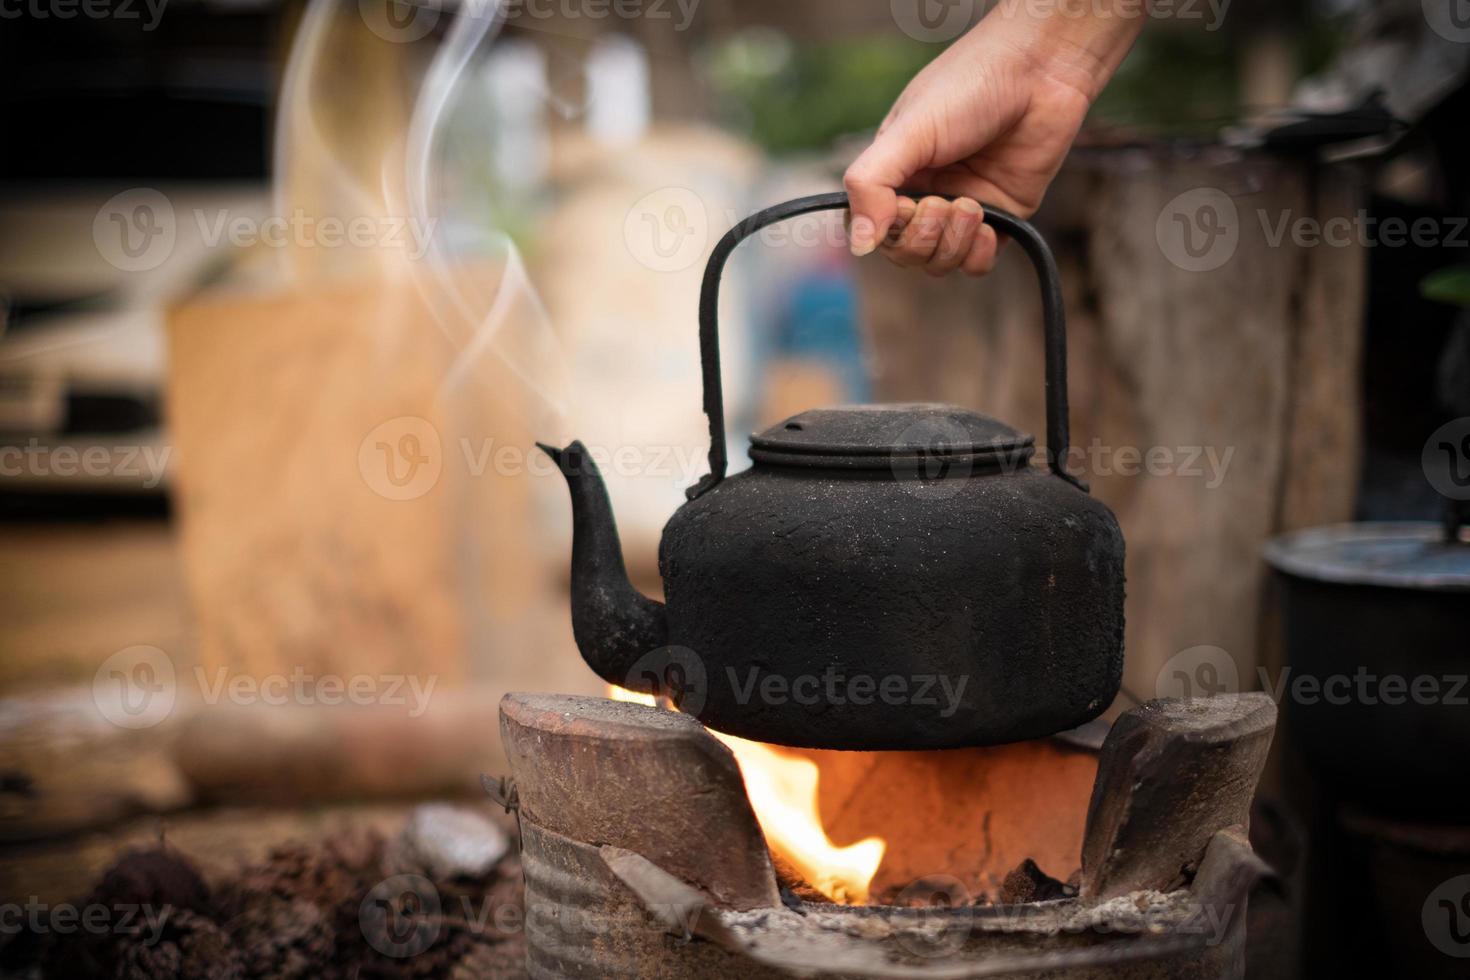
(1028, 883)
(791, 883)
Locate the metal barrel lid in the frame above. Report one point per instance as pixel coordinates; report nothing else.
(1396, 555)
(876, 437)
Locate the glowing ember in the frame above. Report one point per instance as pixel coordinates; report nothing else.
(783, 793)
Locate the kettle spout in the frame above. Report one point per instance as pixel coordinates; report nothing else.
(614, 624)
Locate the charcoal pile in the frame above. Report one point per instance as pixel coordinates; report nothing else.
(443, 899)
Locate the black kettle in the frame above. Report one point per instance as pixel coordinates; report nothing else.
(883, 577)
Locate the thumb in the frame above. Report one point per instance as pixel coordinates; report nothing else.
(873, 182)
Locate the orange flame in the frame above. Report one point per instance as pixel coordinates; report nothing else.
(783, 793)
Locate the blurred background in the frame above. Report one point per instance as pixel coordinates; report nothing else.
(289, 291)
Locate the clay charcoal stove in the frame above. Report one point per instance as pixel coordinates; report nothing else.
(643, 857)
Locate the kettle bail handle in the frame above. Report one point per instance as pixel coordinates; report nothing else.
(1030, 240)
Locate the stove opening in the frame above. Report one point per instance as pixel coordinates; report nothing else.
(897, 828)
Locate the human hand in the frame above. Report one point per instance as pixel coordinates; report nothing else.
(991, 119)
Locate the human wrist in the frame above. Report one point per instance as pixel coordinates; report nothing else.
(1080, 43)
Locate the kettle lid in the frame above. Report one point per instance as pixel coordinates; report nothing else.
(876, 437)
